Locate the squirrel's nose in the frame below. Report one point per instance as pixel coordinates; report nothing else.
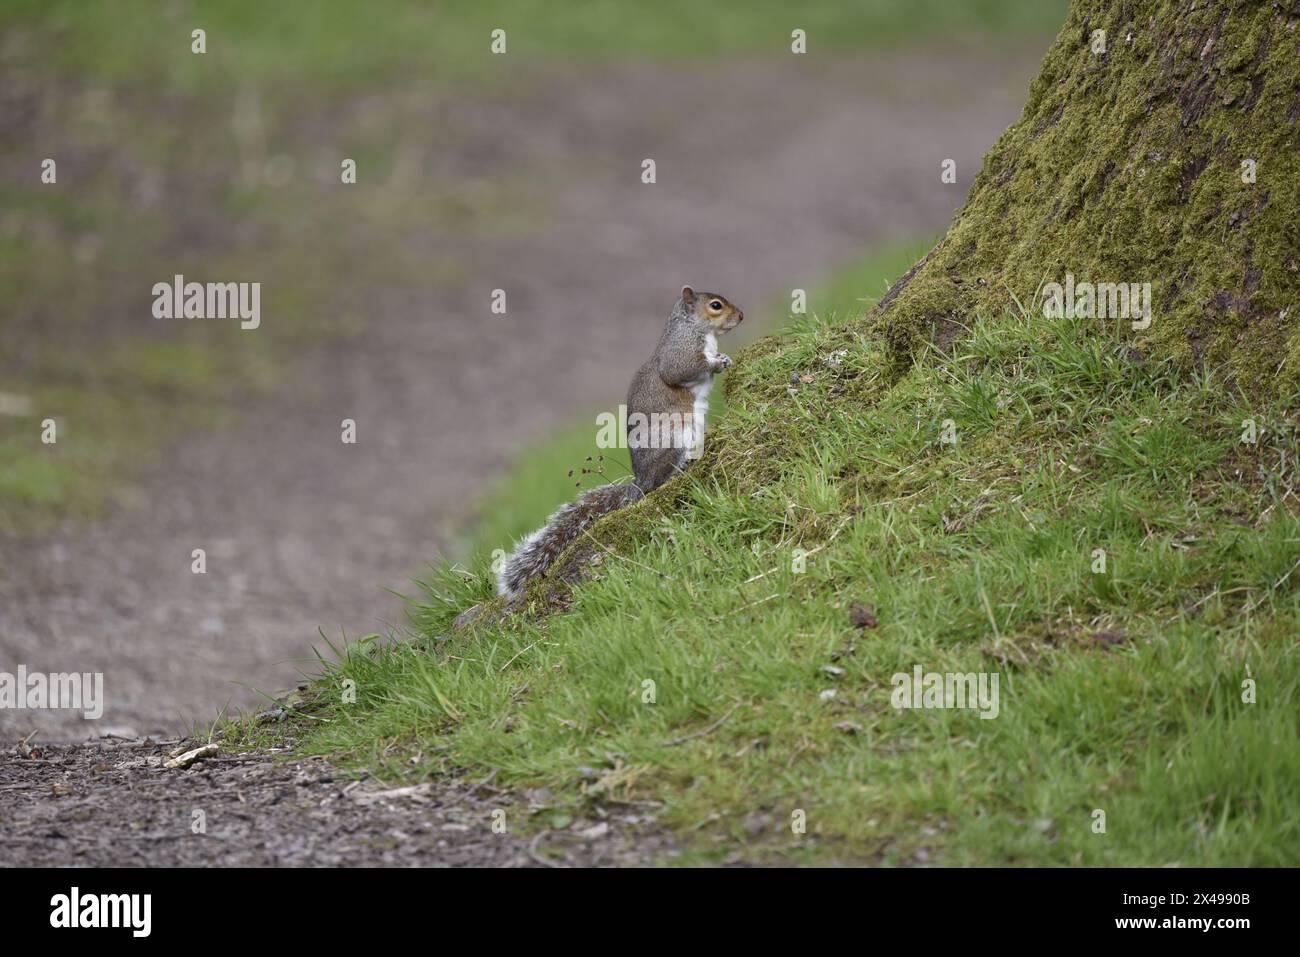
(740, 316)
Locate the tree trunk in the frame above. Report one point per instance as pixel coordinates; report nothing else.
(1158, 145)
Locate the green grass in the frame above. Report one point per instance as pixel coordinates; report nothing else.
(976, 556)
(857, 286)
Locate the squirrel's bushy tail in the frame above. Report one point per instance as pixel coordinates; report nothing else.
(538, 551)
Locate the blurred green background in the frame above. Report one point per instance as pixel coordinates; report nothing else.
(295, 46)
(172, 162)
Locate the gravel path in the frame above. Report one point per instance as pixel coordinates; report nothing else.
(114, 803)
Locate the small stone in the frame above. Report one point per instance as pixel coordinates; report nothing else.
(862, 616)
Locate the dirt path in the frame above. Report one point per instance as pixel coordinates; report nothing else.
(114, 803)
(765, 182)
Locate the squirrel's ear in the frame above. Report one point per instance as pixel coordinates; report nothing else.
(688, 295)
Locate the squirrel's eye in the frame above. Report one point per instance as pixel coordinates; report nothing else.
(715, 305)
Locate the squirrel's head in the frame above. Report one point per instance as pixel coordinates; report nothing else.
(711, 309)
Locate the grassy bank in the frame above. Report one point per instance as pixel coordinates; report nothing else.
(708, 669)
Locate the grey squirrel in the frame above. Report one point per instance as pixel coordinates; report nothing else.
(666, 407)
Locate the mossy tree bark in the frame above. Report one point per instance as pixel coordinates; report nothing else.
(1159, 144)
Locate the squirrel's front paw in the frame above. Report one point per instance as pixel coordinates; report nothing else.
(721, 361)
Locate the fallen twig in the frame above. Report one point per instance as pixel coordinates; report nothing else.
(701, 733)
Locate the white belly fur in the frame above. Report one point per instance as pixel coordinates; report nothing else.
(693, 439)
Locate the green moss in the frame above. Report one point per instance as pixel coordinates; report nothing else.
(1126, 166)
